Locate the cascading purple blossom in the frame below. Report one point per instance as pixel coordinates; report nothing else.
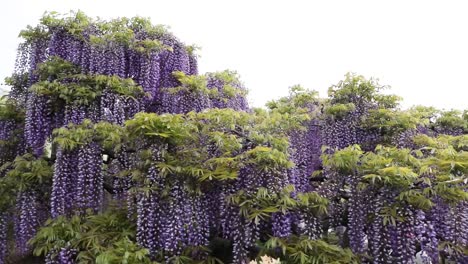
(244, 232)
(281, 225)
(308, 224)
(27, 220)
(235, 227)
(461, 226)
(222, 100)
(38, 123)
(376, 235)
(3, 236)
(64, 183)
(357, 218)
(185, 101)
(404, 247)
(193, 64)
(7, 132)
(149, 213)
(427, 237)
(149, 76)
(305, 153)
(37, 54)
(199, 225)
(89, 183)
(340, 133)
(74, 114)
(112, 108)
(67, 256)
(173, 220)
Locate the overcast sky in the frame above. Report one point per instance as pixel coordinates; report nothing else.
(419, 48)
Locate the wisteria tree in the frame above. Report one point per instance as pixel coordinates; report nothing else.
(114, 149)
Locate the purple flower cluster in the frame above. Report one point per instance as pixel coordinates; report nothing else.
(305, 153)
(3, 236)
(357, 217)
(281, 225)
(404, 246)
(27, 220)
(170, 223)
(11, 131)
(235, 101)
(38, 123)
(77, 181)
(309, 225)
(89, 182)
(427, 237)
(67, 256)
(64, 183)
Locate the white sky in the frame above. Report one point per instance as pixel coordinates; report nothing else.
(419, 48)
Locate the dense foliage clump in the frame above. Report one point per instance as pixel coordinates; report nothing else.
(114, 149)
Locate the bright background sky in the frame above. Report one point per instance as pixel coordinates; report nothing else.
(419, 48)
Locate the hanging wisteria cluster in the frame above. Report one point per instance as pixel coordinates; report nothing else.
(3, 236)
(113, 149)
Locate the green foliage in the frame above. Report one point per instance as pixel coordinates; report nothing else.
(425, 112)
(149, 46)
(344, 160)
(425, 142)
(261, 205)
(339, 110)
(437, 170)
(299, 101)
(56, 68)
(124, 251)
(166, 128)
(312, 201)
(61, 81)
(28, 172)
(452, 119)
(192, 50)
(105, 33)
(103, 232)
(357, 89)
(8, 194)
(396, 169)
(453, 249)
(231, 81)
(123, 30)
(390, 215)
(190, 138)
(191, 84)
(267, 158)
(32, 34)
(57, 233)
(188, 157)
(197, 84)
(302, 250)
(25, 173)
(390, 122)
(187, 256)
(74, 135)
(448, 163)
(19, 82)
(10, 110)
(104, 238)
(75, 23)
